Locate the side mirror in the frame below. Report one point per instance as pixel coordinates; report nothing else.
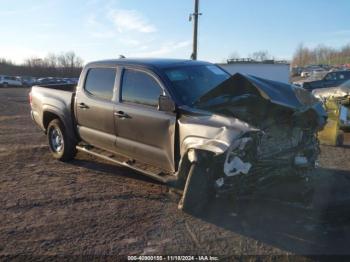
(166, 104)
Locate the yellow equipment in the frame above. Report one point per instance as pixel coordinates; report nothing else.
(331, 134)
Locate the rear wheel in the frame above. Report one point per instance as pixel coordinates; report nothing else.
(62, 147)
(5, 85)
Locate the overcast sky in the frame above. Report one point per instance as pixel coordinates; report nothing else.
(98, 29)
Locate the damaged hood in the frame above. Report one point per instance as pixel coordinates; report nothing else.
(242, 88)
(276, 92)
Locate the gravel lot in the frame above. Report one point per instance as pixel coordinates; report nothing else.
(92, 207)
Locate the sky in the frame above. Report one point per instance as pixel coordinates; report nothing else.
(104, 29)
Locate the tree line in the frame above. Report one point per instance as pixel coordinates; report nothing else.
(259, 56)
(304, 55)
(62, 65)
(321, 55)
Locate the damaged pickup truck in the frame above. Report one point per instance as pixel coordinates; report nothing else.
(186, 123)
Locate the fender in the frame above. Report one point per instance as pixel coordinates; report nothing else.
(62, 115)
(216, 146)
(210, 133)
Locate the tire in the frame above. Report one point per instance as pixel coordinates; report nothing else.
(198, 189)
(5, 85)
(62, 147)
(340, 139)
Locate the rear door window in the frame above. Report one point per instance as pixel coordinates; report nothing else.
(100, 82)
(140, 88)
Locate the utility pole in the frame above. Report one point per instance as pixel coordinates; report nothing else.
(195, 16)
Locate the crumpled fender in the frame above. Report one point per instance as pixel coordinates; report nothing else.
(213, 133)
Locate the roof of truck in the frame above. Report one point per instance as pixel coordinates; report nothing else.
(149, 62)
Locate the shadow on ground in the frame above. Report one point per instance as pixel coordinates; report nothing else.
(320, 227)
(111, 169)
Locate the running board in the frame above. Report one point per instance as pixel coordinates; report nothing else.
(123, 161)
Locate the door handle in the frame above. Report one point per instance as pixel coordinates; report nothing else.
(121, 114)
(83, 106)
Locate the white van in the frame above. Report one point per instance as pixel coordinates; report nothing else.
(6, 81)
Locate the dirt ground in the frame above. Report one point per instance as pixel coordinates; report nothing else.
(92, 207)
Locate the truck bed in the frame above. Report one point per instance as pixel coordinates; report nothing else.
(64, 87)
(56, 99)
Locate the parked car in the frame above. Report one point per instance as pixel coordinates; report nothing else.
(318, 72)
(331, 79)
(305, 74)
(6, 81)
(54, 81)
(340, 96)
(28, 81)
(186, 123)
(48, 81)
(74, 80)
(341, 93)
(314, 77)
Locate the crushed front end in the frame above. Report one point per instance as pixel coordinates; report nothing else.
(284, 141)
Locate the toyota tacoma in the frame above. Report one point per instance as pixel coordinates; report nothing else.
(186, 123)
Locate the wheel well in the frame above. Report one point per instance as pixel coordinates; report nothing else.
(48, 117)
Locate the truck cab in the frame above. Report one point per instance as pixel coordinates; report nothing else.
(117, 108)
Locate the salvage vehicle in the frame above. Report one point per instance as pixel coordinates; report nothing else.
(186, 123)
(331, 79)
(28, 81)
(336, 101)
(6, 81)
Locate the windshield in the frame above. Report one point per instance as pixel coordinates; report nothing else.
(191, 82)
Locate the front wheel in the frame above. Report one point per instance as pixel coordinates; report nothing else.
(199, 185)
(62, 147)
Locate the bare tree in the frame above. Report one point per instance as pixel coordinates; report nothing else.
(62, 61)
(5, 61)
(68, 62)
(51, 60)
(321, 55)
(300, 55)
(63, 65)
(234, 55)
(261, 55)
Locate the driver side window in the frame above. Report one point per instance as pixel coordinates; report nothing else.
(330, 77)
(140, 88)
